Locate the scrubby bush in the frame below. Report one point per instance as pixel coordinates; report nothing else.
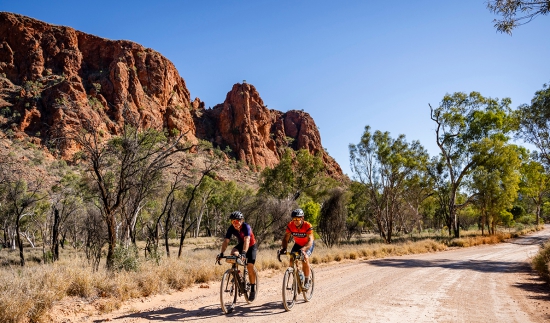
(126, 258)
(541, 262)
(526, 219)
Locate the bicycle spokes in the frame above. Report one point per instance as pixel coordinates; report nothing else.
(228, 292)
(289, 289)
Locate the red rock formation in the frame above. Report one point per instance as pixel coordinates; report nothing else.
(258, 135)
(57, 75)
(54, 76)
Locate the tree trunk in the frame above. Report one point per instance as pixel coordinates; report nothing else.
(19, 241)
(166, 232)
(111, 228)
(183, 234)
(55, 235)
(62, 242)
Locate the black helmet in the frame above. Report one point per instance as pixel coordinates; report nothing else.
(237, 215)
(298, 213)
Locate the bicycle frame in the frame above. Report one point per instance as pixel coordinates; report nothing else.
(234, 284)
(292, 284)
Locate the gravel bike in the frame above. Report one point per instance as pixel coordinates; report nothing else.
(293, 280)
(235, 283)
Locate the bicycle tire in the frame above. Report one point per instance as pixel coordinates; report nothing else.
(289, 289)
(228, 292)
(247, 286)
(308, 294)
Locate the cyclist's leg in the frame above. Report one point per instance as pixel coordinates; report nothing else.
(295, 248)
(236, 251)
(306, 261)
(251, 260)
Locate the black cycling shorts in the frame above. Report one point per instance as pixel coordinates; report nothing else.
(250, 254)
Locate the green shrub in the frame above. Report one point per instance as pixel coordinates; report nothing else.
(526, 219)
(126, 258)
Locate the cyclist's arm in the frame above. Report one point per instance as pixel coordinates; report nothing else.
(285, 240)
(309, 241)
(246, 243)
(224, 245)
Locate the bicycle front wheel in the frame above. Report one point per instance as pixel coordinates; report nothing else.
(289, 289)
(308, 294)
(228, 292)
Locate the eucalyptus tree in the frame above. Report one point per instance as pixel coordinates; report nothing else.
(495, 182)
(437, 171)
(193, 191)
(67, 198)
(22, 193)
(226, 198)
(296, 172)
(332, 219)
(463, 120)
(535, 184)
(123, 164)
(383, 165)
(163, 211)
(299, 175)
(515, 13)
(535, 123)
(418, 187)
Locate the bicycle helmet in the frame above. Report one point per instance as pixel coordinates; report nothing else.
(298, 213)
(237, 215)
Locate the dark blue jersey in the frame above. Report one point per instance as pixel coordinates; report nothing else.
(245, 231)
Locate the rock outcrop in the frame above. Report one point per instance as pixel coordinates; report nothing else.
(258, 135)
(57, 77)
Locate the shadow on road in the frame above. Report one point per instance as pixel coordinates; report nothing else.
(529, 240)
(537, 287)
(173, 314)
(474, 265)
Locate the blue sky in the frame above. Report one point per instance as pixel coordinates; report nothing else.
(348, 63)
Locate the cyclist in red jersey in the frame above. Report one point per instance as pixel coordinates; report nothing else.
(246, 247)
(302, 232)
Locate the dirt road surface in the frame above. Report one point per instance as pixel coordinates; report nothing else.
(492, 283)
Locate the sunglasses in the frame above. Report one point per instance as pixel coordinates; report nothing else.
(296, 219)
(235, 221)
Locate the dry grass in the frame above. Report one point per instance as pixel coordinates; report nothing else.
(541, 261)
(27, 294)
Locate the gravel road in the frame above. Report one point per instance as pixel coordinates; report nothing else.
(492, 283)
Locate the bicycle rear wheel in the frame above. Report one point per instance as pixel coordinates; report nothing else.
(289, 289)
(247, 286)
(308, 294)
(228, 292)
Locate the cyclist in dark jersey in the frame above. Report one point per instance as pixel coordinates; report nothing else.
(302, 232)
(245, 248)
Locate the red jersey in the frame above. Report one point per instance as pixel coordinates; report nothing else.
(300, 234)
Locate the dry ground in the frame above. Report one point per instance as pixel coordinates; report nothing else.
(491, 283)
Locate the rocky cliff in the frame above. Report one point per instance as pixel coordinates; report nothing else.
(57, 76)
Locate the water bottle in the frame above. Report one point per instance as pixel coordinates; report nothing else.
(240, 280)
(301, 274)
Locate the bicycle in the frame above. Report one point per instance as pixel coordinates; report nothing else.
(234, 283)
(293, 281)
